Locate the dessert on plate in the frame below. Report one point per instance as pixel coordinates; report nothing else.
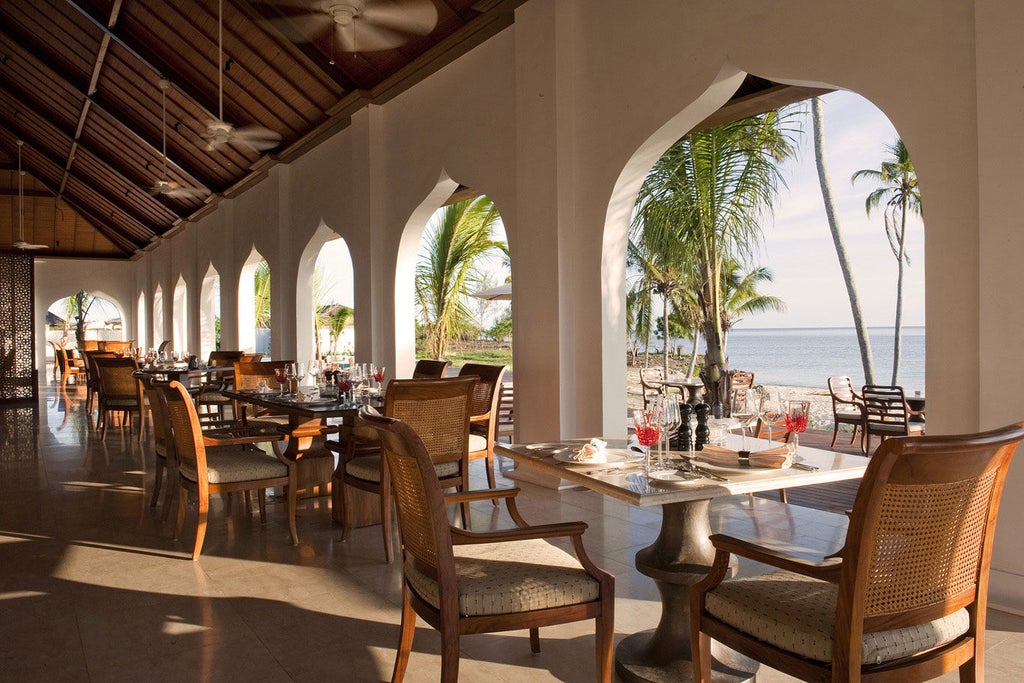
(591, 452)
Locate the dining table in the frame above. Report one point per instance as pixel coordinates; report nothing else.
(181, 372)
(307, 433)
(682, 553)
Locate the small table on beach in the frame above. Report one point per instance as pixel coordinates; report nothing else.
(916, 403)
(692, 385)
(682, 554)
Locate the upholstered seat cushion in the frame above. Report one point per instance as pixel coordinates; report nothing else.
(225, 464)
(477, 443)
(212, 397)
(517, 576)
(367, 468)
(267, 424)
(118, 403)
(796, 613)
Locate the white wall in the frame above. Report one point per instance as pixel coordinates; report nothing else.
(558, 117)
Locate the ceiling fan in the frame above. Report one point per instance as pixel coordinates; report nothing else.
(360, 25)
(165, 187)
(219, 131)
(21, 243)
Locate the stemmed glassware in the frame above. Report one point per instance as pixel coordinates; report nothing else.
(744, 409)
(648, 432)
(281, 374)
(378, 376)
(670, 422)
(290, 373)
(344, 382)
(771, 411)
(797, 413)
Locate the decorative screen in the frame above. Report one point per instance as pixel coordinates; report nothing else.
(17, 328)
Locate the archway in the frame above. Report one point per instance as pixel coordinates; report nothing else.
(209, 313)
(426, 244)
(141, 323)
(179, 316)
(254, 304)
(324, 295)
(158, 316)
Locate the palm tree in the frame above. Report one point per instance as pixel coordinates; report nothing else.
(707, 194)
(456, 238)
(741, 296)
(866, 359)
(77, 307)
(261, 278)
(897, 189)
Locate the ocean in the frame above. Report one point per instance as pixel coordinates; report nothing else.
(807, 357)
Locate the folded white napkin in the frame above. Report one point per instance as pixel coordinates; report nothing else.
(594, 451)
(771, 458)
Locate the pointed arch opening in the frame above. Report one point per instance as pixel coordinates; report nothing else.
(209, 312)
(254, 304)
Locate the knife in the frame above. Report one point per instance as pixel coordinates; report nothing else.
(708, 474)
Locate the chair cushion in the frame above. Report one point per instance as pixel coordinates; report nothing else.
(212, 397)
(517, 576)
(227, 464)
(477, 443)
(796, 613)
(267, 424)
(367, 468)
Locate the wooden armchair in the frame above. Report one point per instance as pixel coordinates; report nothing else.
(650, 384)
(886, 414)
(461, 582)
(506, 413)
(236, 465)
(119, 391)
(483, 421)
(847, 406)
(69, 365)
(438, 409)
(905, 598)
(210, 397)
(430, 369)
(92, 376)
(248, 377)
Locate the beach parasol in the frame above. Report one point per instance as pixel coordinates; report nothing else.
(499, 293)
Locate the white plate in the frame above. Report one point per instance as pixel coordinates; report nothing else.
(674, 478)
(744, 470)
(611, 459)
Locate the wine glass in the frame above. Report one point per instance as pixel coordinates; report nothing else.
(290, 373)
(771, 411)
(648, 432)
(670, 422)
(344, 382)
(743, 405)
(282, 376)
(797, 413)
(378, 377)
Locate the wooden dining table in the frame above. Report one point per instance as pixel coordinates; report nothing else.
(682, 554)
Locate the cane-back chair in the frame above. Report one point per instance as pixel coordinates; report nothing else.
(483, 421)
(847, 406)
(119, 391)
(905, 598)
(461, 582)
(650, 384)
(237, 465)
(211, 397)
(430, 369)
(886, 414)
(439, 411)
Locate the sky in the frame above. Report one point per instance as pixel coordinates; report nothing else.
(798, 246)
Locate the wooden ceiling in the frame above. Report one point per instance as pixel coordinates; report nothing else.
(80, 85)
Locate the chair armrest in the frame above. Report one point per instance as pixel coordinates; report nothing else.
(479, 494)
(233, 438)
(824, 570)
(559, 530)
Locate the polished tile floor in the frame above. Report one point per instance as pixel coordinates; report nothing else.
(93, 588)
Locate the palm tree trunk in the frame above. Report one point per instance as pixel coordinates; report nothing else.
(897, 342)
(866, 358)
(693, 354)
(664, 322)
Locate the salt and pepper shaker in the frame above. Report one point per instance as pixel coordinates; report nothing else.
(703, 411)
(685, 433)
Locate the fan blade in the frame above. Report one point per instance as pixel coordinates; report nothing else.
(186, 193)
(301, 28)
(361, 36)
(26, 246)
(256, 137)
(417, 17)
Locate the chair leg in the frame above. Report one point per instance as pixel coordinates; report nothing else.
(783, 498)
(172, 485)
(385, 524)
(606, 642)
(261, 500)
(408, 630)
(853, 438)
(161, 465)
(973, 670)
(290, 495)
(702, 658)
(534, 640)
(204, 514)
(835, 434)
(491, 481)
(450, 650)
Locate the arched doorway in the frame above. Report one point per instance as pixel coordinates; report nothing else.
(254, 304)
(209, 313)
(179, 316)
(324, 297)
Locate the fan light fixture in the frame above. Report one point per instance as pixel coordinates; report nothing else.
(21, 243)
(220, 132)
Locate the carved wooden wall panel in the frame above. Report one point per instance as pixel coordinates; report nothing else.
(17, 328)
